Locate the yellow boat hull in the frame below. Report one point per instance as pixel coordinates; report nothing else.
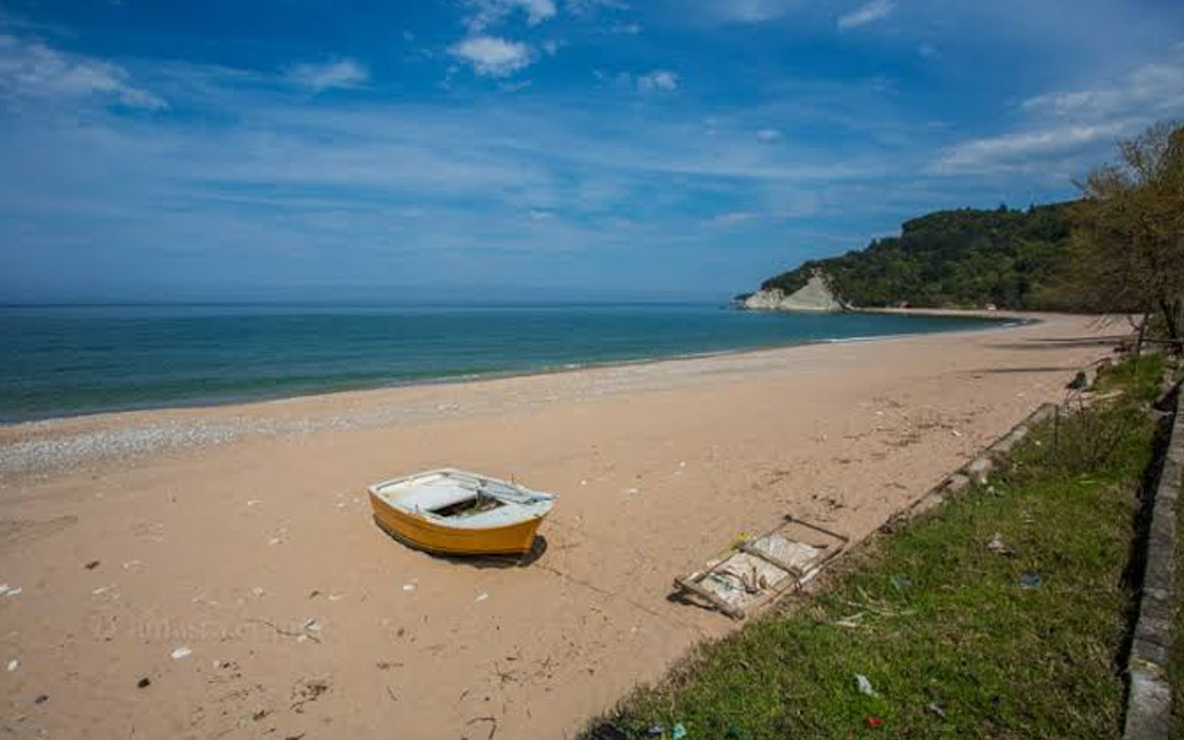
(513, 539)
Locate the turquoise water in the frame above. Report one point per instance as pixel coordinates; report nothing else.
(84, 359)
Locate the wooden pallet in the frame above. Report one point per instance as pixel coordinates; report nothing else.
(756, 571)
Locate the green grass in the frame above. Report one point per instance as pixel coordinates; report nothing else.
(1138, 377)
(952, 642)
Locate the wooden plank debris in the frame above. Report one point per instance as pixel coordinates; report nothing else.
(756, 571)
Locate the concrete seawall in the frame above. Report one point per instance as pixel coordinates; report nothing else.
(1149, 699)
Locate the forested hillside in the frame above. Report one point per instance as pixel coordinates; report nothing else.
(966, 257)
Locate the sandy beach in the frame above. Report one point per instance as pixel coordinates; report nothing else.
(243, 534)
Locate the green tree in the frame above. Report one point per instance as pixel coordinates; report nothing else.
(965, 257)
(1128, 240)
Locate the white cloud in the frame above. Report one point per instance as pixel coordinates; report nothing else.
(490, 12)
(30, 69)
(1152, 89)
(1063, 126)
(340, 73)
(537, 11)
(587, 7)
(749, 11)
(768, 135)
(864, 14)
(516, 86)
(732, 218)
(492, 56)
(657, 80)
(1025, 149)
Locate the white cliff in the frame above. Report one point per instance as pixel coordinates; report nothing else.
(815, 296)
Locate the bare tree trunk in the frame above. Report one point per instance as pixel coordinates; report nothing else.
(1142, 335)
(1171, 318)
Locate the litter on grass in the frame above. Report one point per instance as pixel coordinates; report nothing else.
(998, 546)
(1031, 580)
(865, 686)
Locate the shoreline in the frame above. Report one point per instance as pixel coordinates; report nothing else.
(1002, 319)
(60, 443)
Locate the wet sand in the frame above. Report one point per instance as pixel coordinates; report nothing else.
(243, 533)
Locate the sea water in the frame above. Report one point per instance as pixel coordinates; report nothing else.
(64, 360)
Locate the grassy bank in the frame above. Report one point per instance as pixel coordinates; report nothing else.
(1004, 614)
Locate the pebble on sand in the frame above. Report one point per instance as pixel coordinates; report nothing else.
(181, 652)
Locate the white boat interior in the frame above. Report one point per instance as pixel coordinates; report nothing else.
(457, 498)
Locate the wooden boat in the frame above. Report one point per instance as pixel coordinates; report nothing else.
(455, 512)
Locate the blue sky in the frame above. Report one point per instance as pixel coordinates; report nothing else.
(493, 149)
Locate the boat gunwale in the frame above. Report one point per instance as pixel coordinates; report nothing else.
(377, 497)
